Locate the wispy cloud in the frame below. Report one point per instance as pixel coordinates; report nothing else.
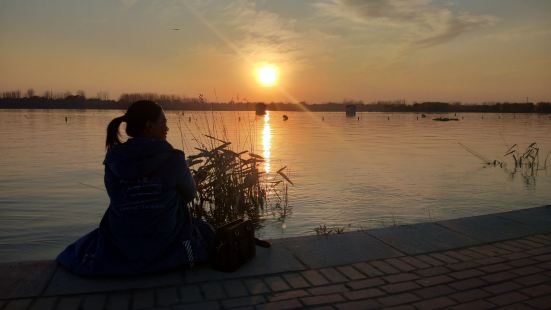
(262, 35)
(424, 24)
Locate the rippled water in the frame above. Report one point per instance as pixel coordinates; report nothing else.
(379, 170)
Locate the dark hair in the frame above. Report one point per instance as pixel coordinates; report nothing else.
(136, 118)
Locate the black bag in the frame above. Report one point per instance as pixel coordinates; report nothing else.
(234, 245)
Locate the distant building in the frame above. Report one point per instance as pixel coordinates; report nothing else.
(260, 109)
(351, 110)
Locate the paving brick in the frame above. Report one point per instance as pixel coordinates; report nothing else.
(384, 267)
(511, 248)
(470, 295)
(474, 305)
(516, 307)
(333, 275)
(528, 270)
(209, 305)
(431, 281)
(368, 270)
(499, 277)
(330, 289)
(436, 303)
(243, 301)
(434, 291)
(467, 284)
(539, 239)
(42, 303)
(320, 300)
(167, 296)
(434, 271)
(235, 288)
(212, 290)
(544, 265)
(351, 272)
(360, 284)
(463, 265)
(458, 255)
(398, 264)
(190, 294)
(518, 244)
(522, 262)
(362, 304)
(471, 254)
(296, 280)
(287, 295)
(529, 243)
(502, 287)
(93, 302)
(446, 259)
(418, 264)
(394, 300)
(401, 277)
(143, 299)
(543, 258)
(429, 260)
(495, 268)
(72, 303)
(465, 274)
(490, 260)
(276, 283)
(18, 304)
(538, 290)
(540, 302)
(514, 256)
(281, 305)
(118, 302)
(256, 286)
(400, 287)
(532, 279)
(364, 294)
(540, 251)
(507, 299)
(401, 307)
(315, 278)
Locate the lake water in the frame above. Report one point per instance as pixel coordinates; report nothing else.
(379, 170)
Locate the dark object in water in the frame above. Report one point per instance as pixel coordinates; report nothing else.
(65, 119)
(350, 110)
(444, 119)
(260, 108)
(423, 115)
(285, 117)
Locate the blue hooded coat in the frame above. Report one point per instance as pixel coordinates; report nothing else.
(147, 226)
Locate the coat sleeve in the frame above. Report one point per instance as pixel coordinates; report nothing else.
(185, 184)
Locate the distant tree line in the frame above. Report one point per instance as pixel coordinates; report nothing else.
(67, 100)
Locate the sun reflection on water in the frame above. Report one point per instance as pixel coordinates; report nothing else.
(267, 141)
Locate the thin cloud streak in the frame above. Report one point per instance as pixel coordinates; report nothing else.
(425, 24)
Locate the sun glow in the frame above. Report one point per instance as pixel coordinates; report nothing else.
(267, 75)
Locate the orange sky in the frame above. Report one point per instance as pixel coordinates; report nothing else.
(327, 50)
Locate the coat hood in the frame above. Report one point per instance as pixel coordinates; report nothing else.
(137, 157)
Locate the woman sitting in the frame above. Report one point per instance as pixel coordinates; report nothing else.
(147, 226)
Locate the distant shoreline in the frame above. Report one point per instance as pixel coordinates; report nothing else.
(80, 103)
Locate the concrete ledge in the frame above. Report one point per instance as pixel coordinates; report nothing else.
(44, 278)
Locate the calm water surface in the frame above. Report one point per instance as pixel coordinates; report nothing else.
(380, 170)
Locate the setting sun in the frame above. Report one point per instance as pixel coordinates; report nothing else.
(267, 75)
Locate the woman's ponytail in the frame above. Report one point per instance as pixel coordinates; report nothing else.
(113, 136)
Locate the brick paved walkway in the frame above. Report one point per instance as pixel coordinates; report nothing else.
(512, 274)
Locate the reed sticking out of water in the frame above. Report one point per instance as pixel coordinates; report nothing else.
(230, 185)
(526, 163)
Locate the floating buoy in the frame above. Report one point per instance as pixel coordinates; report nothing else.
(285, 117)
